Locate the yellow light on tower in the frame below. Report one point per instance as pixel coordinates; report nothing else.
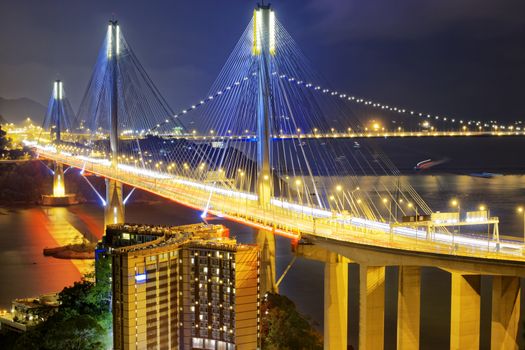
(57, 90)
(257, 19)
(272, 32)
(58, 188)
(259, 31)
(110, 39)
(117, 40)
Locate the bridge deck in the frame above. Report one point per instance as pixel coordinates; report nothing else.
(292, 220)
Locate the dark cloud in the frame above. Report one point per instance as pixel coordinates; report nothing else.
(415, 19)
(463, 58)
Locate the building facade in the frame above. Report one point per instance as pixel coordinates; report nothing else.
(185, 287)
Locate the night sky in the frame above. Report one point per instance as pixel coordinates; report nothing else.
(460, 58)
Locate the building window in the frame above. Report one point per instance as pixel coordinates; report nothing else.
(198, 343)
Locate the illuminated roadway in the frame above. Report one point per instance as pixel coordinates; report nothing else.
(32, 131)
(289, 219)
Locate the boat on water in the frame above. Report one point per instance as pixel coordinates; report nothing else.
(485, 175)
(424, 164)
(428, 163)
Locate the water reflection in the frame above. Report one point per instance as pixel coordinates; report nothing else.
(24, 232)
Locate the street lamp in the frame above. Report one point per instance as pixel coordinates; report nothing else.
(338, 190)
(455, 203)
(389, 208)
(332, 198)
(522, 211)
(298, 184)
(482, 207)
(350, 198)
(410, 206)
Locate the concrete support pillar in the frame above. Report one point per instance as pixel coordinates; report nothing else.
(408, 307)
(465, 311)
(266, 243)
(371, 307)
(506, 294)
(335, 294)
(335, 302)
(59, 187)
(114, 210)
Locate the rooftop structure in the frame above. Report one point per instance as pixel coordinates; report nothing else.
(28, 312)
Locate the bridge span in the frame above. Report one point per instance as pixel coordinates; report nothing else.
(335, 222)
(292, 220)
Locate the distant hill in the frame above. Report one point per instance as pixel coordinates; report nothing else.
(17, 110)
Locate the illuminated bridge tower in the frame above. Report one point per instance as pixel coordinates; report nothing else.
(57, 118)
(59, 189)
(264, 49)
(114, 210)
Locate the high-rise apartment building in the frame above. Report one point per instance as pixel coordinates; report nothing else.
(184, 287)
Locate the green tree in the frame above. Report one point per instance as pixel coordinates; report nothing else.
(82, 322)
(75, 298)
(8, 338)
(4, 141)
(82, 332)
(67, 332)
(284, 328)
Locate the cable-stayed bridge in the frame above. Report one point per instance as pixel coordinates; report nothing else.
(270, 147)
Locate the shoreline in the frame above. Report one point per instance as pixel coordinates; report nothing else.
(72, 251)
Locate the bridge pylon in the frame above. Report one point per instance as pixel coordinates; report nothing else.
(56, 119)
(58, 94)
(114, 210)
(264, 49)
(59, 189)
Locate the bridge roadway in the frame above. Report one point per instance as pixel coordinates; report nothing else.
(344, 135)
(30, 134)
(293, 220)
